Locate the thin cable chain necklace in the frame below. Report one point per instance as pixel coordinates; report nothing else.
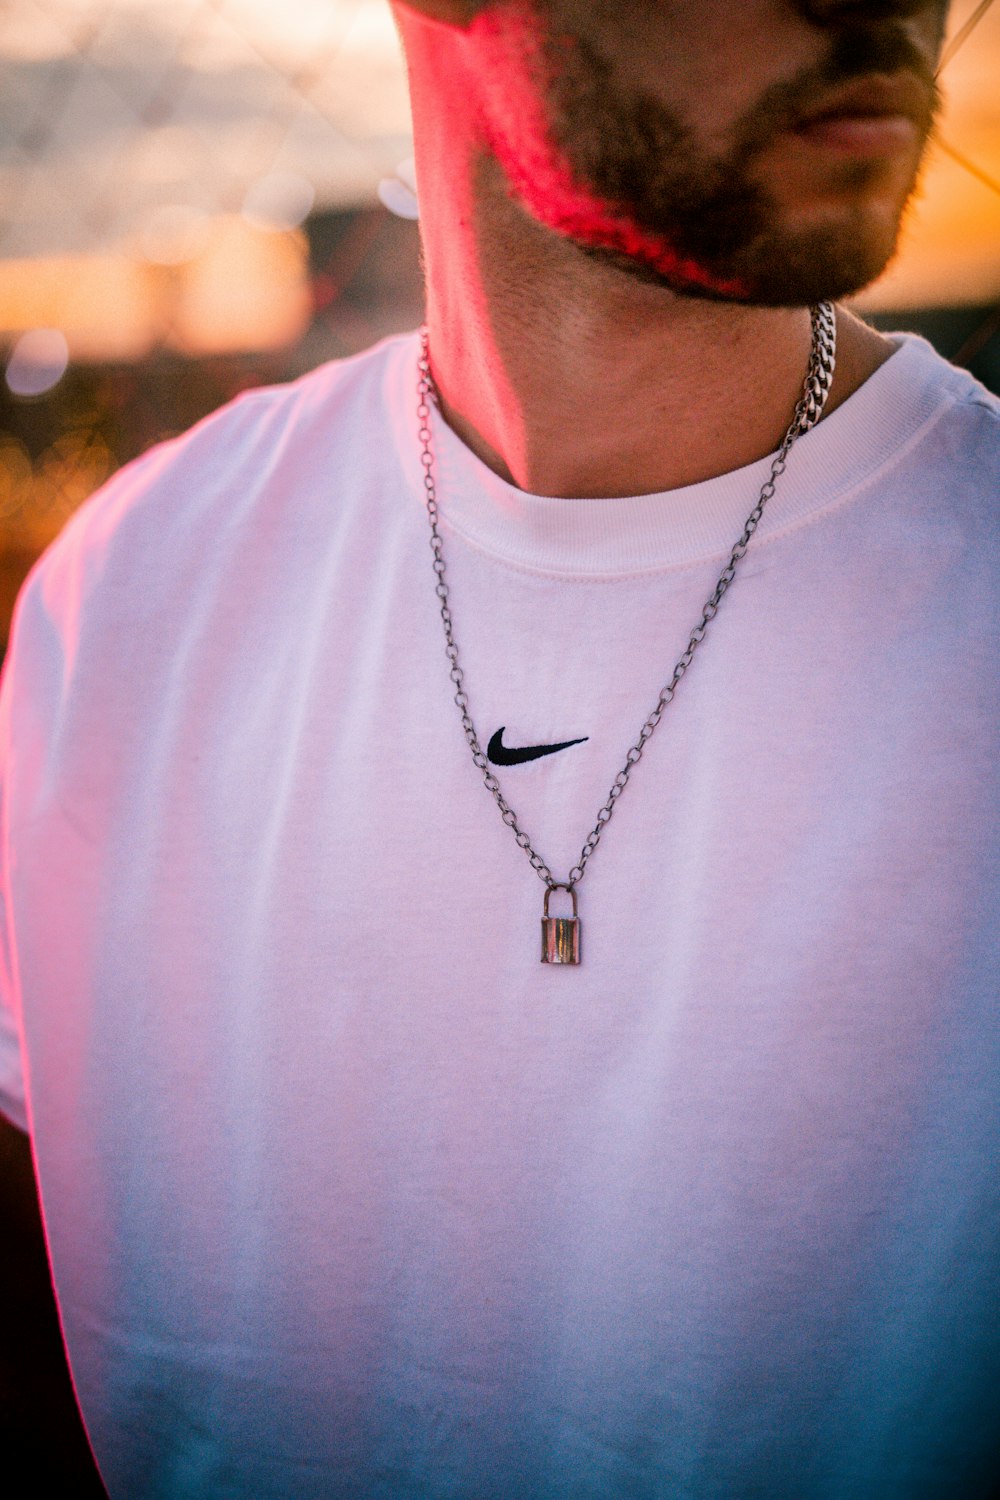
(561, 935)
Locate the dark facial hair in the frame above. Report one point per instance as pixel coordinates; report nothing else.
(635, 153)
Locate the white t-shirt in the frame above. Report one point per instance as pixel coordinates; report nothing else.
(347, 1194)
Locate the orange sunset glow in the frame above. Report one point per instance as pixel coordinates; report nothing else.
(124, 232)
(194, 182)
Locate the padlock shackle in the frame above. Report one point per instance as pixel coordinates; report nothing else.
(559, 885)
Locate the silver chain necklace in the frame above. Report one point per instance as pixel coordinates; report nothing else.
(561, 935)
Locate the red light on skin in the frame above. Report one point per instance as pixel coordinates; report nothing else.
(519, 137)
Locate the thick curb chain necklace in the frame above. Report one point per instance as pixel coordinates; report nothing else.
(561, 935)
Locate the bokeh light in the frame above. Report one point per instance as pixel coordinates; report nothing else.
(38, 362)
(280, 200)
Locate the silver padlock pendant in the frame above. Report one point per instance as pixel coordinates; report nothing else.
(560, 935)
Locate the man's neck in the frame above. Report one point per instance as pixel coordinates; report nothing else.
(570, 377)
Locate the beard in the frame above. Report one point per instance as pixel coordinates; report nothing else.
(724, 233)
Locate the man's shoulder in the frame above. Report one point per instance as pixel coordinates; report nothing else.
(959, 397)
(933, 433)
(274, 452)
(961, 455)
(342, 401)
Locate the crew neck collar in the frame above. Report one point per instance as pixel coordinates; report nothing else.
(675, 528)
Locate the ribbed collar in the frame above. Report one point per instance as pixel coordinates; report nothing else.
(646, 533)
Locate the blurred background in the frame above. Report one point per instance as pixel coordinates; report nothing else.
(202, 195)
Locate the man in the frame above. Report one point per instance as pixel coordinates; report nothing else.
(346, 1193)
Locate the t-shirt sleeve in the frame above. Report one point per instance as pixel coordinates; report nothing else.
(12, 1093)
(12, 1088)
(90, 592)
(32, 667)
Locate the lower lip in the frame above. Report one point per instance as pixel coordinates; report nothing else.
(861, 135)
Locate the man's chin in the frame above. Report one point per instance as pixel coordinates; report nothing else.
(814, 268)
(793, 272)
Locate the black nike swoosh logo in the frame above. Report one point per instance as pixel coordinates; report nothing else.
(503, 755)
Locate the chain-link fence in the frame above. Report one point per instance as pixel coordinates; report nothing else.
(200, 195)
